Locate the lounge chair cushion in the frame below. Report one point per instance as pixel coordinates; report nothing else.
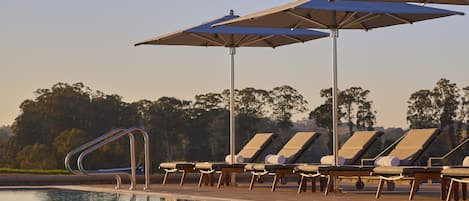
(176, 165)
(359, 139)
(405, 170)
(357, 144)
(254, 145)
(307, 168)
(295, 145)
(456, 171)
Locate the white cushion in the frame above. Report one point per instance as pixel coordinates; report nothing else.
(330, 160)
(237, 159)
(275, 159)
(387, 161)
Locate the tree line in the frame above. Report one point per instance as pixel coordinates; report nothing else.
(445, 106)
(68, 115)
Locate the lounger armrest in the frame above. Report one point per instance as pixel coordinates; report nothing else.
(431, 159)
(366, 160)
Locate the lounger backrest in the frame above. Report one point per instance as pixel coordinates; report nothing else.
(357, 144)
(297, 145)
(413, 144)
(255, 146)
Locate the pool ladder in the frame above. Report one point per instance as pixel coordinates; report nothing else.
(105, 139)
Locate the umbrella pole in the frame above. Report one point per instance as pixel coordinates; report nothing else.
(335, 117)
(335, 105)
(232, 115)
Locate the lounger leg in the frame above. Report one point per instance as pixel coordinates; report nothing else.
(165, 177)
(220, 179)
(444, 190)
(413, 188)
(212, 178)
(182, 178)
(464, 191)
(450, 190)
(380, 187)
(313, 184)
(329, 185)
(253, 179)
(456, 190)
(321, 183)
(275, 182)
(300, 186)
(200, 179)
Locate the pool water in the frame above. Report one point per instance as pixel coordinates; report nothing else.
(70, 195)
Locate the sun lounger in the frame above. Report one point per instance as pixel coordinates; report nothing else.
(352, 150)
(408, 150)
(292, 150)
(249, 152)
(455, 175)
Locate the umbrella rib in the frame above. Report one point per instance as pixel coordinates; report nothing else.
(223, 39)
(206, 39)
(399, 18)
(362, 19)
(293, 38)
(240, 40)
(259, 39)
(347, 19)
(306, 19)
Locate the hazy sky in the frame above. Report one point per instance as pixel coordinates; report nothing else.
(49, 41)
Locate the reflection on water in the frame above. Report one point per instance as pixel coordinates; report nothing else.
(68, 195)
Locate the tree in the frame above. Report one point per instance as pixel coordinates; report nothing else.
(464, 114)
(356, 98)
(446, 96)
(285, 101)
(168, 119)
(421, 110)
(322, 115)
(5, 133)
(68, 140)
(252, 102)
(365, 116)
(36, 156)
(353, 106)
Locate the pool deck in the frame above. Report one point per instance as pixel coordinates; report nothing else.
(287, 192)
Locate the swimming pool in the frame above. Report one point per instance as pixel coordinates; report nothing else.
(73, 195)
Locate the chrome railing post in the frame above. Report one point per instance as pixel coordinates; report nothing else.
(107, 138)
(133, 165)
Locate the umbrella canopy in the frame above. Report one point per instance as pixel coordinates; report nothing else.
(233, 37)
(225, 36)
(334, 15)
(324, 14)
(454, 2)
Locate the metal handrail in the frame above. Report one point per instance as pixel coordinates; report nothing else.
(429, 162)
(105, 142)
(106, 139)
(362, 161)
(85, 146)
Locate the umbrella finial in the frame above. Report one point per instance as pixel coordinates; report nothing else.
(231, 12)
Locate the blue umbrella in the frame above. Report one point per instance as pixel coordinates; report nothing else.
(233, 37)
(335, 15)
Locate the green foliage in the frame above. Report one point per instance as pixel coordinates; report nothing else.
(5, 133)
(354, 108)
(68, 140)
(421, 110)
(36, 156)
(285, 102)
(446, 96)
(32, 171)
